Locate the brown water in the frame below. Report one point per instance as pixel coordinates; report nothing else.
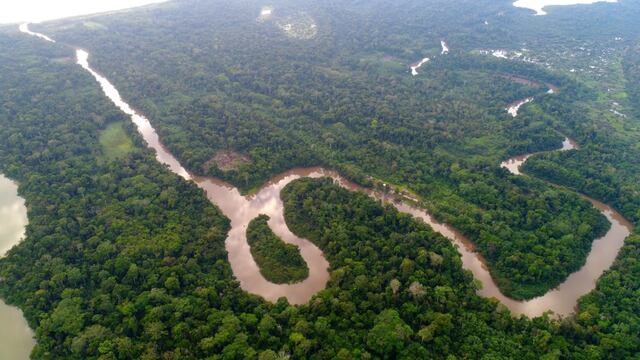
(515, 106)
(513, 164)
(242, 209)
(16, 338)
(604, 251)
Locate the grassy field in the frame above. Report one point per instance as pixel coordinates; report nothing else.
(115, 141)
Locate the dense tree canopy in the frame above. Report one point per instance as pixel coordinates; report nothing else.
(124, 260)
(217, 77)
(279, 262)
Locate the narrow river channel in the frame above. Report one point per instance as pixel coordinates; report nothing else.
(242, 209)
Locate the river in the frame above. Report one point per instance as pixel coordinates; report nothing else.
(16, 338)
(242, 209)
(416, 66)
(604, 250)
(515, 106)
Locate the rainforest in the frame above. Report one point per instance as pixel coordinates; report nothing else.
(431, 179)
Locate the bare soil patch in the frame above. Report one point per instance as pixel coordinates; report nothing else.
(227, 160)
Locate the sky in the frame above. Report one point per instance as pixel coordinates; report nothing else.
(537, 5)
(17, 11)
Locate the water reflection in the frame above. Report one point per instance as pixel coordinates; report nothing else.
(604, 251)
(16, 338)
(242, 209)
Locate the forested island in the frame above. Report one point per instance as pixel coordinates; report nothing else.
(279, 262)
(325, 106)
(124, 259)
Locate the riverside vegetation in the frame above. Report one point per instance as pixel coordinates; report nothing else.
(125, 260)
(339, 104)
(279, 262)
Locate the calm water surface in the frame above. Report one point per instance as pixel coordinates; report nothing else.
(242, 209)
(16, 338)
(604, 251)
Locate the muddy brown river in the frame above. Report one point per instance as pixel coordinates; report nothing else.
(563, 299)
(242, 209)
(515, 106)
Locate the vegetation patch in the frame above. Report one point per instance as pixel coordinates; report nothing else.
(520, 80)
(92, 25)
(64, 60)
(227, 160)
(278, 261)
(247, 86)
(115, 141)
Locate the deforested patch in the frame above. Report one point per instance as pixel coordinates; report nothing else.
(227, 160)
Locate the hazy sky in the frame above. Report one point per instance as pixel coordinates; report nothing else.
(537, 5)
(14, 11)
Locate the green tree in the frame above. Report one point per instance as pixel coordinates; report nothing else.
(389, 334)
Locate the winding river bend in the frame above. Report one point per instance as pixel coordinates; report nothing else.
(242, 209)
(515, 106)
(16, 338)
(563, 299)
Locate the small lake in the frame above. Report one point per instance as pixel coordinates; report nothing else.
(16, 338)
